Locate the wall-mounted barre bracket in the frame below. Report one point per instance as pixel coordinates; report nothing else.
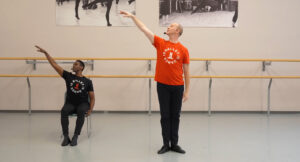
(29, 95)
(149, 65)
(209, 97)
(35, 62)
(269, 97)
(91, 63)
(264, 64)
(150, 87)
(207, 63)
(149, 97)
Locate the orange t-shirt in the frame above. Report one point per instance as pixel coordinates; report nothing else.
(170, 59)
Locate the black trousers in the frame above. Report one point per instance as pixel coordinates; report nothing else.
(80, 110)
(170, 102)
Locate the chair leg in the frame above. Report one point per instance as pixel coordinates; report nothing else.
(88, 125)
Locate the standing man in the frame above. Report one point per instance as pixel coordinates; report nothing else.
(79, 91)
(172, 63)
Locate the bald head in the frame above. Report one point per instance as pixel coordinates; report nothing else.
(175, 29)
(180, 28)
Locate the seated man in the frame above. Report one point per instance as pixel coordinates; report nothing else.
(79, 89)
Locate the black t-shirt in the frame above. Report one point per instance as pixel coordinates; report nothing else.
(77, 88)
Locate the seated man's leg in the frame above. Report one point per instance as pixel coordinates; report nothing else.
(81, 109)
(65, 111)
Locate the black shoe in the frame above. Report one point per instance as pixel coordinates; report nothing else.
(66, 141)
(77, 17)
(178, 149)
(163, 149)
(74, 140)
(109, 24)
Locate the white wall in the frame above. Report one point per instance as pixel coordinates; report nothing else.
(266, 29)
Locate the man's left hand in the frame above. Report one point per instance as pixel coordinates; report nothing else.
(88, 113)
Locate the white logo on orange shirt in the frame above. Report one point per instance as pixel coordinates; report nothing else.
(169, 54)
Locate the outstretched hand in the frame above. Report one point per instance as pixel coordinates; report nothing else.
(39, 49)
(126, 14)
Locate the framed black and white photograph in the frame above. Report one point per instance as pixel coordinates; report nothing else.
(199, 13)
(93, 12)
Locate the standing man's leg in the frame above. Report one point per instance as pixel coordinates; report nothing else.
(81, 109)
(109, 3)
(65, 111)
(164, 104)
(176, 103)
(235, 16)
(76, 9)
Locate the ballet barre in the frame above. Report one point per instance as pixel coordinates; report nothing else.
(147, 76)
(150, 84)
(90, 60)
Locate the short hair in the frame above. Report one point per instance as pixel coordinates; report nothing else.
(81, 64)
(180, 29)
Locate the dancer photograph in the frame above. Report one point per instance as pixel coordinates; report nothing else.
(198, 13)
(93, 12)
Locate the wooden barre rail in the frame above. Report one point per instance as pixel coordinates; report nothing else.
(72, 58)
(192, 59)
(149, 76)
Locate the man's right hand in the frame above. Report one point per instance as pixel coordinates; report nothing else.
(140, 25)
(39, 49)
(57, 68)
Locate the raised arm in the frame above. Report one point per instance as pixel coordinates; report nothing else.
(186, 72)
(149, 34)
(57, 68)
